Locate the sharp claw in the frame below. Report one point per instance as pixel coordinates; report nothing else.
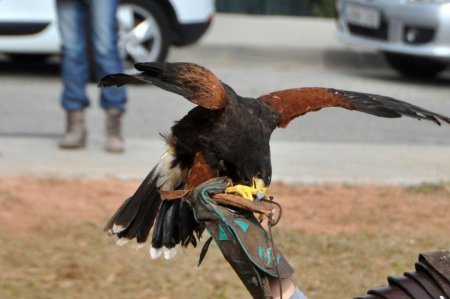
(255, 191)
(260, 195)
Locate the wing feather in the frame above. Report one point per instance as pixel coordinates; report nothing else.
(193, 82)
(292, 103)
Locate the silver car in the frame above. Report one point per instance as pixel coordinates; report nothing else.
(413, 35)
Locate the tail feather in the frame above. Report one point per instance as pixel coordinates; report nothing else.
(172, 221)
(157, 237)
(166, 232)
(136, 216)
(175, 224)
(187, 226)
(148, 221)
(171, 236)
(112, 227)
(127, 212)
(142, 223)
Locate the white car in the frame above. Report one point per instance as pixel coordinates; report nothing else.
(146, 27)
(413, 35)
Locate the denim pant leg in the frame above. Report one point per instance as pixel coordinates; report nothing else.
(75, 64)
(106, 53)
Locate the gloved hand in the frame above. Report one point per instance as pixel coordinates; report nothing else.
(242, 240)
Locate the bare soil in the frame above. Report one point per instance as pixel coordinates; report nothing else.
(29, 203)
(342, 240)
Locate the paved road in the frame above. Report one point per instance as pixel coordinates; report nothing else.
(251, 55)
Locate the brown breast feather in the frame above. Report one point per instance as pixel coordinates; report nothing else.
(200, 172)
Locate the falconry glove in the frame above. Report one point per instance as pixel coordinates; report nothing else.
(242, 240)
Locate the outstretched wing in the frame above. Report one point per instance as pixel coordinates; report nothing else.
(194, 82)
(291, 103)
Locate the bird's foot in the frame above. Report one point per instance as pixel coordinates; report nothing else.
(244, 191)
(255, 192)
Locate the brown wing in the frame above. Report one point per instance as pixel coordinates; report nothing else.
(291, 103)
(194, 82)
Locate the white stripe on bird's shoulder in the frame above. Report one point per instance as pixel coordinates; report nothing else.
(169, 178)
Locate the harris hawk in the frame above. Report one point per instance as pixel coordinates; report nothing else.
(224, 135)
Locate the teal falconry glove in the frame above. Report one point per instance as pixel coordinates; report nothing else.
(240, 237)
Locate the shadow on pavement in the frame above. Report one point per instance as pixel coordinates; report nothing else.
(23, 134)
(443, 80)
(28, 66)
(361, 64)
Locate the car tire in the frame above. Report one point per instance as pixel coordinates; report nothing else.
(144, 32)
(415, 66)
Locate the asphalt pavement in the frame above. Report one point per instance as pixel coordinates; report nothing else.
(257, 55)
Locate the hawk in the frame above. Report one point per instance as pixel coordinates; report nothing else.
(224, 135)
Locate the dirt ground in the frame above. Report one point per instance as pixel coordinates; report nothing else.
(335, 224)
(28, 203)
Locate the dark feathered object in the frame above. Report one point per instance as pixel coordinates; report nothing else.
(431, 280)
(225, 135)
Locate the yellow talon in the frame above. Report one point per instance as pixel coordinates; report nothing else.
(249, 192)
(244, 191)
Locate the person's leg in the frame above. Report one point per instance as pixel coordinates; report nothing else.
(298, 294)
(74, 70)
(108, 61)
(288, 288)
(75, 65)
(106, 53)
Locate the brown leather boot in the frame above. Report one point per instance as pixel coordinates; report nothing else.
(114, 140)
(75, 135)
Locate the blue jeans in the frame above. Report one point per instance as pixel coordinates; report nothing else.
(74, 16)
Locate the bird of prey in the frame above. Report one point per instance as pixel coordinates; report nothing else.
(224, 135)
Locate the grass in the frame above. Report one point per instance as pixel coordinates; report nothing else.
(80, 262)
(65, 254)
(428, 188)
(345, 266)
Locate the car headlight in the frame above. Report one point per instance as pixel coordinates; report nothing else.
(429, 1)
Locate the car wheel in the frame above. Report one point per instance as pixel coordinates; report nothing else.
(144, 33)
(415, 66)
